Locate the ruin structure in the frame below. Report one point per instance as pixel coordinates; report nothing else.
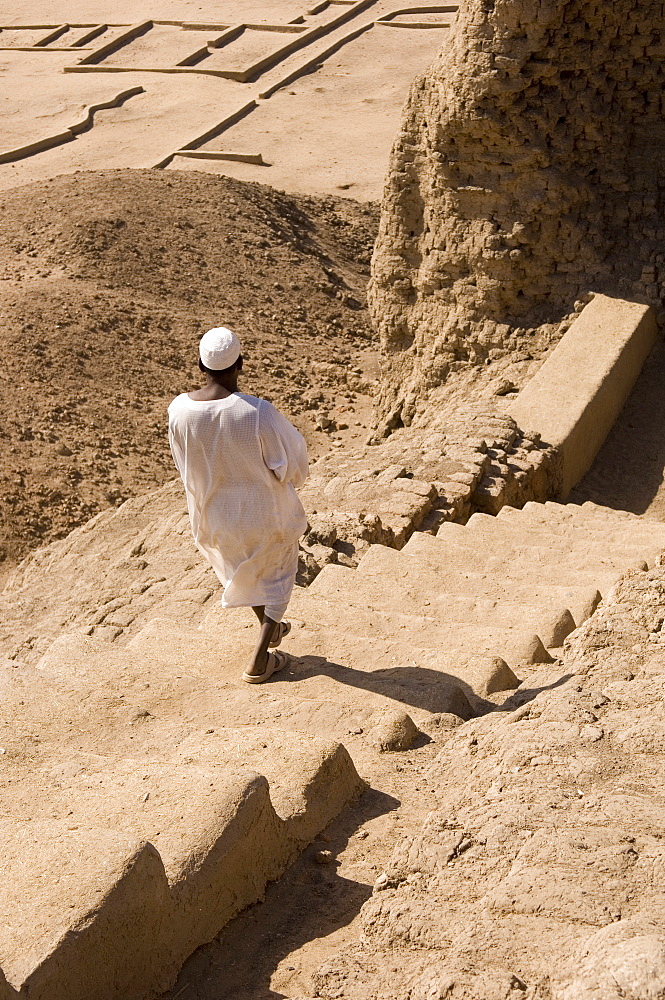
(527, 172)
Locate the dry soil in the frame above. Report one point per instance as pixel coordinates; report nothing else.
(107, 280)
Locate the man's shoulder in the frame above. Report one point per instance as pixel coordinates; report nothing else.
(177, 403)
(256, 402)
(263, 404)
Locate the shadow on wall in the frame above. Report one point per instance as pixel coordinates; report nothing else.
(629, 470)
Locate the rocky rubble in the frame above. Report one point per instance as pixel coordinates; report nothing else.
(472, 459)
(538, 873)
(528, 171)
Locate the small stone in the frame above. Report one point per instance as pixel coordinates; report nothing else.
(494, 791)
(324, 857)
(389, 474)
(381, 882)
(490, 674)
(393, 731)
(503, 387)
(355, 732)
(361, 834)
(591, 734)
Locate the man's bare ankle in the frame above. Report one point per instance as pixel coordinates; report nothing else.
(258, 666)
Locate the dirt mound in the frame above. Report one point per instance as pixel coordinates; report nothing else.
(108, 279)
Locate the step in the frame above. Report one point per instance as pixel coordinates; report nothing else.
(335, 693)
(588, 509)
(581, 601)
(310, 780)
(500, 550)
(483, 547)
(115, 733)
(514, 642)
(222, 812)
(420, 560)
(572, 532)
(186, 676)
(377, 591)
(148, 727)
(342, 674)
(82, 909)
(427, 553)
(586, 513)
(342, 678)
(342, 681)
(504, 550)
(399, 657)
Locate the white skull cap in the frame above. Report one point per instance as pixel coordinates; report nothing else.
(219, 348)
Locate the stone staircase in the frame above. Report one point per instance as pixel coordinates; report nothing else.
(149, 794)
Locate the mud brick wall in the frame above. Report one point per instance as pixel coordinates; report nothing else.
(529, 170)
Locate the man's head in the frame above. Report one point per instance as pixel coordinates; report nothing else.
(219, 353)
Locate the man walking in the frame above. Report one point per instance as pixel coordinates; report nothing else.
(240, 461)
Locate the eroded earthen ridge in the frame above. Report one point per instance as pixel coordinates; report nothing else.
(528, 170)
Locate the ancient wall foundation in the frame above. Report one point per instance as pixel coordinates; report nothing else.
(528, 171)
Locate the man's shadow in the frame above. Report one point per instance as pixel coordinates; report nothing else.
(418, 687)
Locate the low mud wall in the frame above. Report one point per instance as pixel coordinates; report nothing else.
(575, 398)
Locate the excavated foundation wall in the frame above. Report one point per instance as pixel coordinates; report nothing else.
(528, 171)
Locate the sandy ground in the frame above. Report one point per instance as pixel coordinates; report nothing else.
(46, 12)
(299, 132)
(323, 116)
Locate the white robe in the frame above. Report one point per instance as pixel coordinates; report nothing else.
(240, 460)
